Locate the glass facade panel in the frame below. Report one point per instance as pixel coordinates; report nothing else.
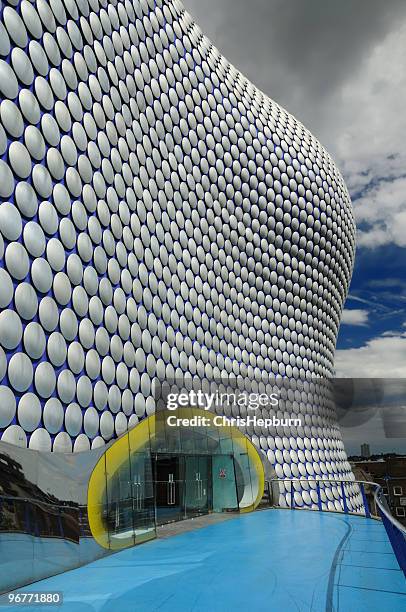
(142, 492)
(197, 485)
(225, 445)
(243, 473)
(224, 483)
(119, 517)
(142, 487)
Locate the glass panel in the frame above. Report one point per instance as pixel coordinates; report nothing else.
(18, 483)
(83, 465)
(119, 498)
(56, 545)
(142, 487)
(196, 485)
(243, 472)
(213, 440)
(142, 494)
(225, 441)
(97, 509)
(169, 488)
(224, 485)
(194, 438)
(16, 543)
(167, 438)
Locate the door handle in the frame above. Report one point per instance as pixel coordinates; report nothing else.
(170, 491)
(199, 487)
(137, 492)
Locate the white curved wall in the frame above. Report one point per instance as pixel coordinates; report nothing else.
(158, 215)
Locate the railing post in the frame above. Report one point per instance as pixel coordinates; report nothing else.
(318, 496)
(364, 499)
(344, 498)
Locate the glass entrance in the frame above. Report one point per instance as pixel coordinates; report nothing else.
(177, 486)
(183, 487)
(154, 475)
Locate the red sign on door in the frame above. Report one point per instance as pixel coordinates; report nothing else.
(222, 473)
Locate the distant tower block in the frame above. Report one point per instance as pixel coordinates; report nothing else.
(365, 451)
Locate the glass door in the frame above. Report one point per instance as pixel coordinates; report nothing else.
(168, 489)
(142, 494)
(197, 485)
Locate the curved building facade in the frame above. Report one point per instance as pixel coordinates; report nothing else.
(159, 216)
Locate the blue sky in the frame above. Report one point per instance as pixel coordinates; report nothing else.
(378, 290)
(376, 304)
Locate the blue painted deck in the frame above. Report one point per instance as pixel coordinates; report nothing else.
(271, 560)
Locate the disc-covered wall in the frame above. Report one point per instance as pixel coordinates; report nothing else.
(159, 215)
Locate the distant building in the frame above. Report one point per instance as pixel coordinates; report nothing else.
(365, 451)
(390, 473)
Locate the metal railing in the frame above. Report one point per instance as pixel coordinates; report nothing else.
(395, 530)
(374, 504)
(327, 494)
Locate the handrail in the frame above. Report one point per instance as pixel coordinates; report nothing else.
(316, 479)
(377, 492)
(388, 515)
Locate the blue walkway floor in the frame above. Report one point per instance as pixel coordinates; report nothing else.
(274, 560)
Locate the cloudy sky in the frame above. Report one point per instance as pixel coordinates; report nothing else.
(340, 67)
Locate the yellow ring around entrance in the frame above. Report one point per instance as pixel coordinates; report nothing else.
(135, 440)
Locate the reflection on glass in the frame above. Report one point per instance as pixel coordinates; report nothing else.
(26, 508)
(142, 490)
(119, 500)
(128, 499)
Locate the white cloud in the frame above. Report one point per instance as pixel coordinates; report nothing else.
(383, 209)
(355, 316)
(370, 116)
(369, 141)
(381, 357)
